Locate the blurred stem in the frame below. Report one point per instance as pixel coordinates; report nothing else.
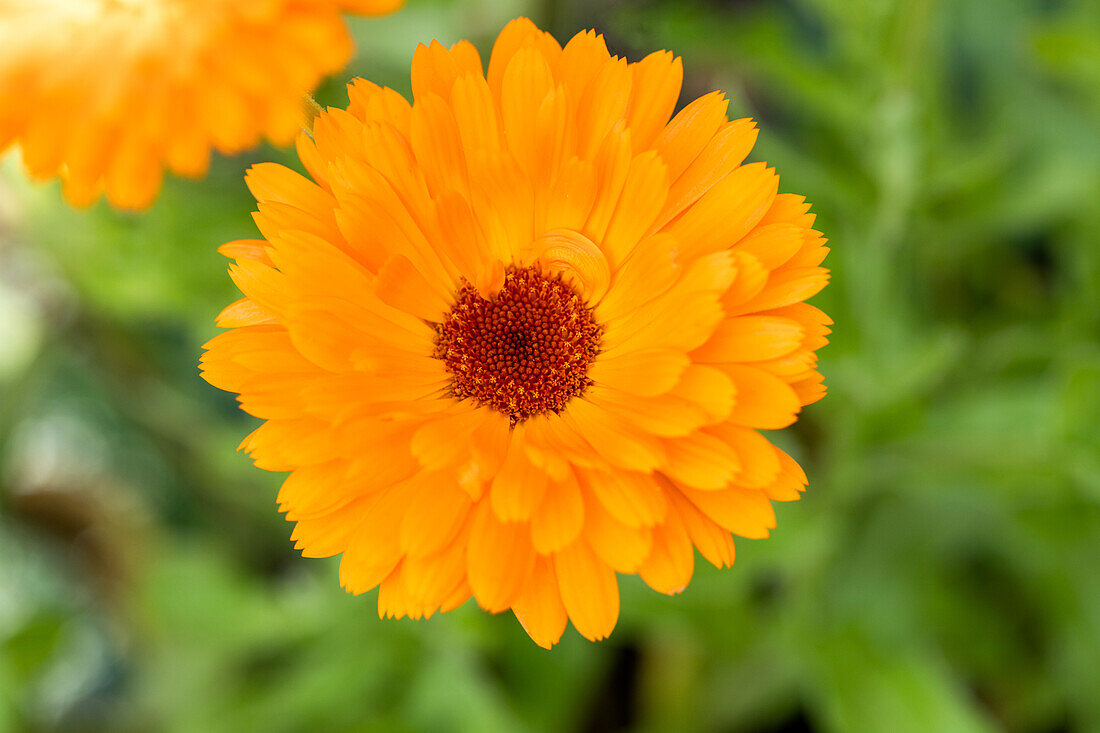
(550, 14)
(895, 141)
(312, 110)
(563, 18)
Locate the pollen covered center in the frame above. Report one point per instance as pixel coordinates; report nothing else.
(526, 351)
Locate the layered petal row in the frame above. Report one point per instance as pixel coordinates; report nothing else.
(109, 94)
(548, 165)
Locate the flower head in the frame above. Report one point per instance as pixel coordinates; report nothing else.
(520, 336)
(107, 94)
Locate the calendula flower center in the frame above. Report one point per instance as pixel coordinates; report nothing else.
(524, 352)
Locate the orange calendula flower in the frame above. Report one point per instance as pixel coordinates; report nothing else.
(520, 336)
(107, 94)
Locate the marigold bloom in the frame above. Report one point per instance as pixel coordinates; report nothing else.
(520, 336)
(107, 94)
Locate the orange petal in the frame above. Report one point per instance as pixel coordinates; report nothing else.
(701, 461)
(813, 320)
(583, 56)
(772, 244)
(376, 223)
(518, 34)
(519, 486)
(793, 367)
(134, 177)
(247, 249)
(559, 517)
(188, 153)
(683, 318)
(723, 153)
(635, 499)
(759, 462)
(727, 212)
(489, 446)
(763, 400)
(445, 441)
(644, 192)
(527, 82)
(577, 259)
(328, 534)
(438, 580)
(603, 105)
(812, 253)
(475, 113)
(275, 219)
(751, 338)
(404, 287)
(589, 591)
(371, 7)
(312, 161)
(435, 68)
(503, 202)
(667, 416)
(789, 208)
(460, 595)
(645, 373)
(433, 133)
(387, 150)
(274, 182)
(709, 388)
(751, 279)
(784, 488)
(393, 602)
(713, 542)
(657, 81)
(613, 439)
(786, 287)
(621, 546)
(436, 513)
(810, 390)
(243, 312)
(372, 103)
(648, 273)
(612, 164)
(557, 435)
(499, 559)
(374, 548)
(671, 561)
(312, 490)
(539, 608)
(745, 512)
(690, 131)
(461, 239)
(789, 466)
(569, 201)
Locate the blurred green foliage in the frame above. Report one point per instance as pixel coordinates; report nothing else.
(942, 573)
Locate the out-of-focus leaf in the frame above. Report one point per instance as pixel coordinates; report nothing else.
(866, 689)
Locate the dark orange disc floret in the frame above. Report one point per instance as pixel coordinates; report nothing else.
(524, 352)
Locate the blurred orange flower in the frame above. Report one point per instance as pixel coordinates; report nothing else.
(107, 94)
(520, 336)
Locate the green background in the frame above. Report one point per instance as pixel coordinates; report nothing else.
(942, 572)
